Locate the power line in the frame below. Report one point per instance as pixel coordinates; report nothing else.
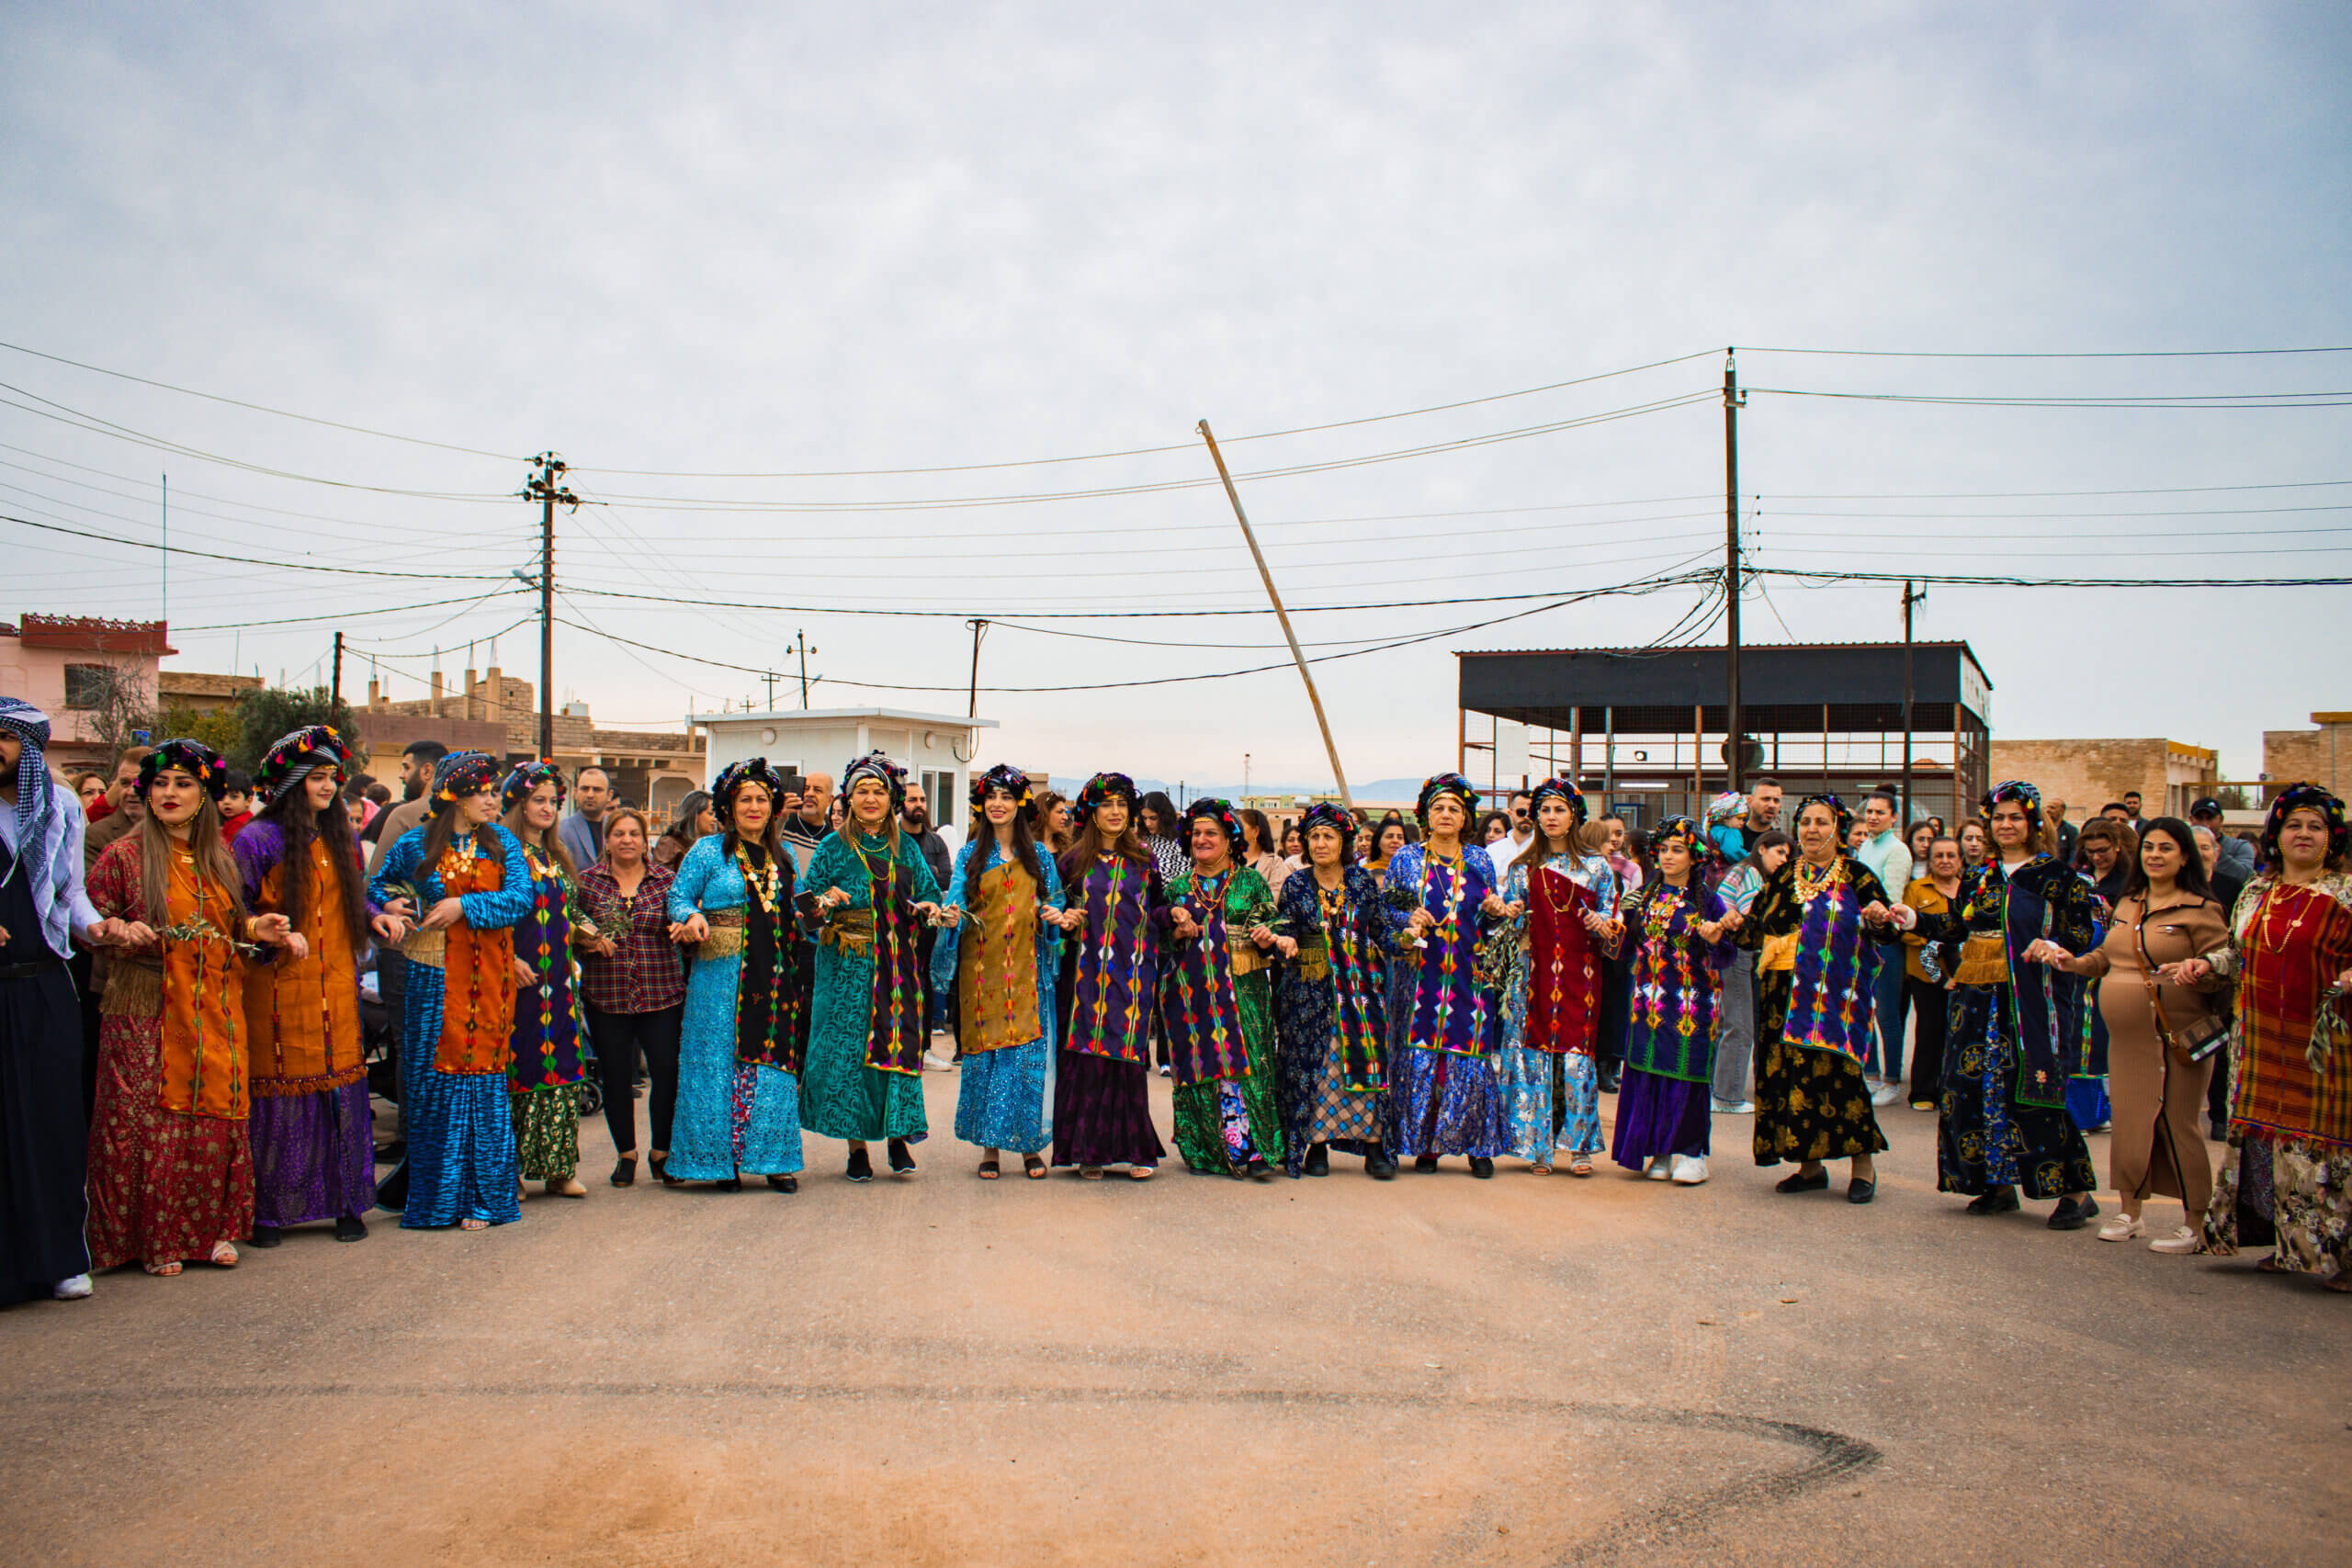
(1823, 576)
(257, 408)
(250, 561)
(469, 600)
(2184, 402)
(2095, 354)
(2050, 494)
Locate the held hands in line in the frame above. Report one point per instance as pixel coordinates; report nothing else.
(1268, 940)
(2041, 949)
(1186, 928)
(276, 931)
(443, 915)
(524, 978)
(1597, 923)
(1492, 905)
(1420, 923)
(390, 928)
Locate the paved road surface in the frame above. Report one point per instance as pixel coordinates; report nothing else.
(939, 1370)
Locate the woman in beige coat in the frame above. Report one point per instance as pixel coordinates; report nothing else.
(2165, 916)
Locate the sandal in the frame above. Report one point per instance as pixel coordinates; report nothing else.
(470, 1223)
(224, 1256)
(990, 1170)
(163, 1270)
(1090, 1173)
(1142, 1172)
(1580, 1166)
(1033, 1167)
(2271, 1265)
(1539, 1169)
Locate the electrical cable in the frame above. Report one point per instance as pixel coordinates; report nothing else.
(249, 561)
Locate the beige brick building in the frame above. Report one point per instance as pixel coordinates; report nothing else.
(2322, 755)
(2088, 773)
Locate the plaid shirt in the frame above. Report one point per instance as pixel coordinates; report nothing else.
(645, 976)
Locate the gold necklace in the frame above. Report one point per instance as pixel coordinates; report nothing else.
(2262, 920)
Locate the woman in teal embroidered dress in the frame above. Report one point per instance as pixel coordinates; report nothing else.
(543, 1075)
(1217, 997)
(864, 1078)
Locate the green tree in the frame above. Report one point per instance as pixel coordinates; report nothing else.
(266, 713)
(221, 728)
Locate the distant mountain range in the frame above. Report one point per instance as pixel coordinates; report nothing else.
(1383, 790)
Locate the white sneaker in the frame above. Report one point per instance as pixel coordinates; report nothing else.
(1690, 1172)
(2182, 1239)
(1887, 1094)
(1735, 1108)
(937, 1064)
(1656, 1170)
(2124, 1227)
(74, 1290)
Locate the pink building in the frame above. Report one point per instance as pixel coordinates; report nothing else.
(66, 665)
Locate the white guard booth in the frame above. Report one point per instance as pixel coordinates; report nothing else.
(936, 749)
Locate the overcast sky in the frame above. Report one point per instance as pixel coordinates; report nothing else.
(781, 241)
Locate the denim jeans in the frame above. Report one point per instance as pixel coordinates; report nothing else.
(1886, 1004)
(1735, 1028)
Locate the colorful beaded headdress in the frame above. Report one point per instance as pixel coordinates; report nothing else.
(2303, 797)
(1211, 808)
(733, 777)
(1845, 818)
(292, 757)
(528, 777)
(458, 775)
(1006, 777)
(192, 757)
(1564, 790)
(1694, 837)
(2017, 790)
(875, 765)
(1726, 806)
(1442, 784)
(1338, 818)
(1100, 788)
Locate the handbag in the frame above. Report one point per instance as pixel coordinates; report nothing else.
(2198, 1039)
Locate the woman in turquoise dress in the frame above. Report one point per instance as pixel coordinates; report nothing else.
(746, 1021)
(874, 891)
(1561, 902)
(999, 957)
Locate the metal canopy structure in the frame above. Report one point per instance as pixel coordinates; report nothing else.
(1648, 727)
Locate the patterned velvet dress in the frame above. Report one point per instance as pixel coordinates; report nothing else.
(312, 1130)
(1109, 980)
(1444, 1095)
(864, 1078)
(2016, 1032)
(456, 1036)
(543, 1075)
(1816, 963)
(2287, 1183)
(1331, 1014)
(171, 1168)
(1001, 958)
(1665, 1104)
(1216, 1002)
(746, 1029)
(1552, 1005)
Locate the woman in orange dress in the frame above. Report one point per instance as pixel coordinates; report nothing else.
(171, 1166)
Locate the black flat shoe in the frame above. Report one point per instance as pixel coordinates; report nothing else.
(784, 1184)
(624, 1173)
(2070, 1215)
(1260, 1171)
(350, 1228)
(264, 1235)
(2000, 1200)
(901, 1162)
(1861, 1191)
(1481, 1166)
(659, 1165)
(1818, 1181)
(1379, 1165)
(861, 1169)
(1425, 1163)
(732, 1184)
(1319, 1160)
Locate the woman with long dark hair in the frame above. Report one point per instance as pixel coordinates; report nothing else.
(1331, 1004)
(1162, 829)
(2017, 1037)
(1818, 926)
(312, 1133)
(1444, 1095)
(1109, 982)
(1562, 903)
(1261, 851)
(467, 874)
(745, 1034)
(1055, 828)
(1217, 998)
(2162, 1035)
(694, 821)
(171, 1173)
(634, 990)
(543, 1077)
(874, 894)
(1675, 929)
(999, 955)
(2287, 1183)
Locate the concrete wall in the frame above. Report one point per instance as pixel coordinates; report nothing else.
(2088, 773)
(2322, 755)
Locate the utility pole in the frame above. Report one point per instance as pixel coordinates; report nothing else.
(770, 678)
(1909, 599)
(800, 641)
(1267, 577)
(338, 667)
(979, 630)
(1734, 748)
(545, 487)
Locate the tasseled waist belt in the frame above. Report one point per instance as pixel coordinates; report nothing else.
(1314, 960)
(850, 931)
(1983, 961)
(428, 948)
(134, 989)
(1777, 954)
(1245, 958)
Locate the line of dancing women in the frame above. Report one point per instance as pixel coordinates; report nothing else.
(1448, 1007)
